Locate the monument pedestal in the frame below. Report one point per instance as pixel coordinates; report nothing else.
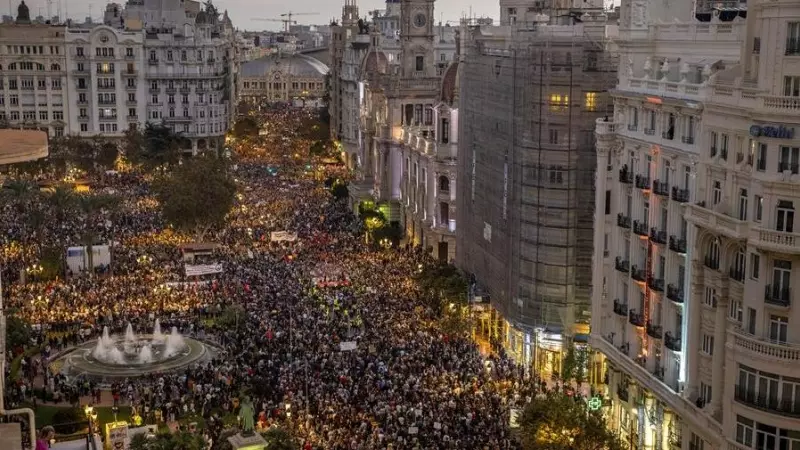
(252, 442)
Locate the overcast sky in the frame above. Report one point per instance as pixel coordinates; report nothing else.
(241, 11)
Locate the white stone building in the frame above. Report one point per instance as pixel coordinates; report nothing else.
(33, 75)
(154, 60)
(694, 243)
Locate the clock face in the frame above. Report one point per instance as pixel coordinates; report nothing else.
(420, 20)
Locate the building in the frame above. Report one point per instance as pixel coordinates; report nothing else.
(694, 239)
(530, 95)
(349, 45)
(294, 78)
(33, 71)
(151, 61)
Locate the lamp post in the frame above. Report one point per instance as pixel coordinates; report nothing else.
(115, 410)
(90, 416)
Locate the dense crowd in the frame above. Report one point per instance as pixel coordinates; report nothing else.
(406, 385)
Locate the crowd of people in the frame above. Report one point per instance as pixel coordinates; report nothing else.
(343, 366)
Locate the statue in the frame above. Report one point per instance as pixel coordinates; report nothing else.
(247, 416)
(23, 13)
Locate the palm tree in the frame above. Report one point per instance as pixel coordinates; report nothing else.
(61, 198)
(91, 206)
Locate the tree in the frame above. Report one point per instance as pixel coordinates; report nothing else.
(91, 206)
(574, 365)
(181, 440)
(21, 194)
(18, 332)
(231, 317)
(279, 439)
(245, 127)
(557, 421)
(156, 146)
(340, 191)
(61, 199)
(197, 195)
(445, 283)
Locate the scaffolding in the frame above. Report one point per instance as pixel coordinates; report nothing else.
(530, 96)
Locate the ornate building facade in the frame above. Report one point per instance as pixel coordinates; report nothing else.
(297, 79)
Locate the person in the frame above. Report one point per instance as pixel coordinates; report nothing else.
(45, 435)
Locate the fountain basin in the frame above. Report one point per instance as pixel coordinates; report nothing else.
(80, 361)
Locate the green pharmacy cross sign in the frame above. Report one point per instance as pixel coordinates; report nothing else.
(595, 403)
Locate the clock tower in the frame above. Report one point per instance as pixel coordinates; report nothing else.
(416, 38)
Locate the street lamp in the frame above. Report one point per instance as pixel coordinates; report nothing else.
(90, 416)
(115, 410)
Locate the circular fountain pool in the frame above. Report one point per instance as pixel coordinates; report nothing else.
(133, 355)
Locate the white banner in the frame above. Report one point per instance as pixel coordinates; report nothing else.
(348, 346)
(279, 236)
(202, 269)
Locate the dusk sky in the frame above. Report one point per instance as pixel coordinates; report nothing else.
(241, 11)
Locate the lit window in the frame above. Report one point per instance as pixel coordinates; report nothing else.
(590, 101)
(558, 102)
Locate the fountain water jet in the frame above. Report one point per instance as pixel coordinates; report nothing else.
(146, 354)
(174, 344)
(157, 334)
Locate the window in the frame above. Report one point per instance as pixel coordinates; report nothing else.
(633, 118)
(559, 102)
(43, 115)
(789, 159)
(58, 131)
(759, 150)
(759, 207)
(723, 146)
(793, 38)
(608, 202)
(710, 298)
(696, 443)
(744, 431)
(755, 265)
(688, 131)
(742, 204)
(781, 274)
(590, 101)
(717, 193)
(705, 393)
(785, 217)
(712, 139)
(131, 112)
(778, 329)
(553, 138)
(84, 127)
(129, 51)
(791, 86)
(153, 55)
(419, 63)
(735, 310)
(708, 344)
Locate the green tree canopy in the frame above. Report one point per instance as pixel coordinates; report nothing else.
(558, 421)
(245, 127)
(182, 440)
(197, 195)
(279, 439)
(18, 332)
(156, 146)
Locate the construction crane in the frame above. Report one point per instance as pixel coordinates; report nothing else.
(286, 22)
(290, 14)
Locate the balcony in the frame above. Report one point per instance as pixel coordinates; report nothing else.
(130, 57)
(623, 221)
(171, 90)
(625, 176)
(129, 73)
(640, 228)
(724, 224)
(784, 352)
(656, 284)
(152, 62)
(657, 236)
(677, 244)
(736, 274)
(642, 182)
(712, 151)
(83, 118)
(620, 309)
(650, 131)
(638, 274)
(82, 87)
(661, 188)
(622, 265)
(636, 319)
(668, 135)
(177, 119)
(185, 91)
(672, 342)
(604, 127)
(106, 87)
(768, 403)
(625, 348)
(674, 293)
(107, 118)
(776, 241)
(711, 262)
(633, 126)
(777, 295)
(680, 195)
(687, 140)
(654, 331)
(133, 118)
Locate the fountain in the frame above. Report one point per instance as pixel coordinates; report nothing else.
(131, 355)
(136, 350)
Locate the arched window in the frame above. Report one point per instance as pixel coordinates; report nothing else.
(444, 184)
(55, 67)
